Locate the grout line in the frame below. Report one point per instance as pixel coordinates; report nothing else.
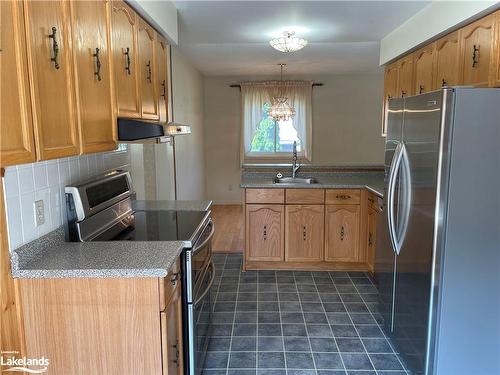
(281, 322)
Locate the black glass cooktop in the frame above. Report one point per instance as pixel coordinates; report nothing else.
(163, 226)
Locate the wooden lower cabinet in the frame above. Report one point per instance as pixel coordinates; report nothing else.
(342, 228)
(304, 233)
(264, 232)
(171, 338)
(372, 238)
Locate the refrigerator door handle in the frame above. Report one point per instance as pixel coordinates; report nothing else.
(394, 171)
(407, 184)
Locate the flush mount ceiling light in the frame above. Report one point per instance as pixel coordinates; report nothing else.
(288, 42)
(281, 110)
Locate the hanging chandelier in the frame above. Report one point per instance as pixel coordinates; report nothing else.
(281, 110)
(288, 42)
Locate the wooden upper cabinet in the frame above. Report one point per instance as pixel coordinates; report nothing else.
(93, 71)
(446, 63)
(124, 25)
(342, 227)
(146, 37)
(16, 133)
(405, 76)
(424, 61)
(477, 52)
(496, 77)
(304, 233)
(264, 232)
(162, 68)
(51, 78)
(390, 91)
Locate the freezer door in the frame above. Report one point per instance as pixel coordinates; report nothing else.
(421, 135)
(385, 254)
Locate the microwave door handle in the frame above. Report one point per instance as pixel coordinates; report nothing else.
(407, 184)
(198, 300)
(394, 171)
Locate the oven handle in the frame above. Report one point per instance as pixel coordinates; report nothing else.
(212, 231)
(211, 265)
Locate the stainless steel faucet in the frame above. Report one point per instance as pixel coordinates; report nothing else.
(295, 167)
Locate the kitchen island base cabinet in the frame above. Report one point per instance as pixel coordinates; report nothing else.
(171, 327)
(304, 233)
(264, 232)
(342, 223)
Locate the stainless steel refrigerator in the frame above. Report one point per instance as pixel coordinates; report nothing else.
(437, 263)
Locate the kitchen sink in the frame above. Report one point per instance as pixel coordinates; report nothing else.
(296, 180)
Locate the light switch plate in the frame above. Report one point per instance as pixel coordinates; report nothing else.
(39, 213)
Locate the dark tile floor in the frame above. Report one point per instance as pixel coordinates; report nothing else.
(296, 323)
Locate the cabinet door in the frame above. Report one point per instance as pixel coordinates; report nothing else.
(423, 61)
(304, 233)
(477, 52)
(16, 140)
(446, 66)
(342, 233)
(124, 37)
(52, 79)
(390, 91)
(171, 325)
(405, 76)
(496, 78)
(93, 71)
(264, 232)
(162, 68)
(371, 240)
(147, 71)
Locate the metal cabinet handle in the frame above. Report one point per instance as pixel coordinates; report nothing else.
(389, 96)
(304, 233)
(443, 83)
(342, 233)
(148, 65)
(369, 238)
(475, 55)
(97, 72)
(403, 93)
(421, 89)
(265, 232)
(55, 48)
(343, 196)
(127, 60)
(164, 85)
(176, 348)
(174, 278)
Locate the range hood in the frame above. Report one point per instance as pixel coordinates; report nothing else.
(137, 130)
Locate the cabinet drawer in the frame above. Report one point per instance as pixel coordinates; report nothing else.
(168, 284)
(305, 196)
(265, 196)
(373, 201)
(343, 196)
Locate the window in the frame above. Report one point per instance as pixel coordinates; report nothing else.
(263, 137)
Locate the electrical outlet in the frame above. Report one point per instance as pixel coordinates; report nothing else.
(39, 213)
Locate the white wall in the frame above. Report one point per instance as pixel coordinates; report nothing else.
(435, 19)
(187, 87)
(346, 128)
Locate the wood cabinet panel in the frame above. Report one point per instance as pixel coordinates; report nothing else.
(260, 196)
(477, 52)
(264, 232)
(305, 196)
(405, 76)
(91, 326)
(447, 57)
(390, 91)
(171, 326)
(168, 284)
(93, 72)
(146, 38)
(304, 233)
(17, 143)
(424, 61)
(51, 78)
(342, 226)
(496, 77)
(343, 196)
(124, 25)
(372, 238)
(162, 65)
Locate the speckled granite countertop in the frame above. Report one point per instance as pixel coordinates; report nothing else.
(52, 257)
(373, 181)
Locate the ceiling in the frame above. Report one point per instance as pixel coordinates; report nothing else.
(231, 38)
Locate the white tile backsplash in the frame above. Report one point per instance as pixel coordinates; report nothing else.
(24, 184)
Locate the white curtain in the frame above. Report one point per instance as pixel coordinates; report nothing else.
(256, 94)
